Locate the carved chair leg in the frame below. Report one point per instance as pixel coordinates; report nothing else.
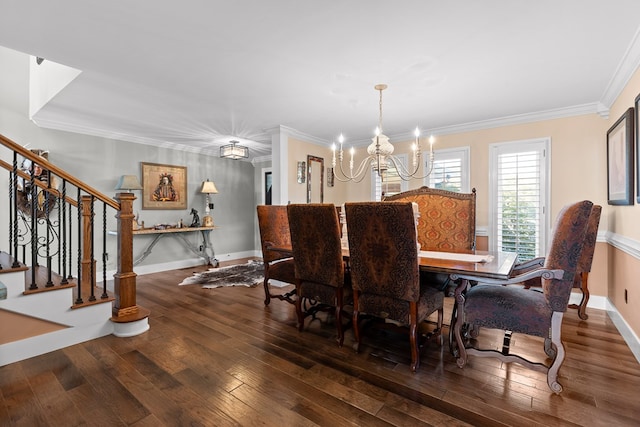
(552, 374)
(413, 336)
(584, 287)
(267, 296)
(356, 324)
(299, 313)
(339, 293)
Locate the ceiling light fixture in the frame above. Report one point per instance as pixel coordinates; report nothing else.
(234, 151)
(381, 156)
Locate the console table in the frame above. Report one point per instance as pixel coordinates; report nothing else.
(201, 250)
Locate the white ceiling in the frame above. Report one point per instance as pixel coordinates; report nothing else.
(195, 74)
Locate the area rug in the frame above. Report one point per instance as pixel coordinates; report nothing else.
(249, 274)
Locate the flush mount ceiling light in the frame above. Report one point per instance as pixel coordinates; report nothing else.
(234, 151)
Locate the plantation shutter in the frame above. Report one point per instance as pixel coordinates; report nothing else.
(520, 199)
(450, 170)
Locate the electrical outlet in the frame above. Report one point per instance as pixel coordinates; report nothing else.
(625, 296)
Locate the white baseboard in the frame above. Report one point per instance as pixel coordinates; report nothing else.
(184, 263)
(623, 327)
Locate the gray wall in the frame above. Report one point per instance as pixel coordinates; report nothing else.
(99, 162)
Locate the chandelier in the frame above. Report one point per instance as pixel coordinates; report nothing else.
(381, 156)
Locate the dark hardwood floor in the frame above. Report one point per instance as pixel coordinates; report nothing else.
(218, 357)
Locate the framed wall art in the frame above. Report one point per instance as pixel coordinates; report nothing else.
(620, 160)
(164, 186)
(637, 146)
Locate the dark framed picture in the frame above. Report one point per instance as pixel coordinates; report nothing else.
(620, 157)
(164, 186)
(637, 128)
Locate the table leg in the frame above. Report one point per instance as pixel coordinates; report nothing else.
(148, 249)
(206, 244)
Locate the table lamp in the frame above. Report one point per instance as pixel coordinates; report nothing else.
(128, 183)
(208, 187)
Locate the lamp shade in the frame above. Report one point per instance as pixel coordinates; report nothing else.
(128, 183)
(209, 187)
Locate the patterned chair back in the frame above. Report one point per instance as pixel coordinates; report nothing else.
(566, 248)
(586, 257)
(447, 219)
(383, 254)
(274, 231)
(315, 240)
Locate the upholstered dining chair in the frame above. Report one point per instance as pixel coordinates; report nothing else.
(581, 280)
(514, 309)
(273, 223)
(447, 220)
(385, 272)
(319, 266)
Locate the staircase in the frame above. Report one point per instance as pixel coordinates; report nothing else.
(50, 297)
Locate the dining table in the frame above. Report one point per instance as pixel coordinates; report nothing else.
(463, 268)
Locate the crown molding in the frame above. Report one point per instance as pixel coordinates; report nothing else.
(297, 134)
(626, 68)
(557, 113)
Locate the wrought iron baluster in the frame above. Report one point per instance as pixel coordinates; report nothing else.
(79, 280)
(63, 222)
(92, 297)
(104, 251)
(34, 231)
(47, 211)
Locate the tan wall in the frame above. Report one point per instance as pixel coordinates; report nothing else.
(578, 171)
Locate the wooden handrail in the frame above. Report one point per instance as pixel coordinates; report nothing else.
(56, 170)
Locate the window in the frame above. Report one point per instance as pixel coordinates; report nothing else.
(519, 197)
(392, 183)
(450, 169)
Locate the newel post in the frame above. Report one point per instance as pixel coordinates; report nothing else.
(125, 309)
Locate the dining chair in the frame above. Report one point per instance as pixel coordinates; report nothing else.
(321, 282)
(514, 309)
(385, 273)
(581, 280)
(274, 232)
(447, 220)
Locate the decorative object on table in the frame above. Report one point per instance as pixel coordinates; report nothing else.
(620, 160)
(195, 222)
(164, 186)
(249, 275)
(234, 151)
(381, 156)
(301, 172)
(315, 179)
(208, 187)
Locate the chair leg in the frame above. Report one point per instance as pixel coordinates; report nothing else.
(267, 296)
(584, 287)
(413, 336)
(299, 313)
(556, 331)
(356, 324)
(339, 293)
(439, 326)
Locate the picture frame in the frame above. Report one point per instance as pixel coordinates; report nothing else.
(164, 186)
(330, 177)
(620, 157)
(301, 172)
(637, 146)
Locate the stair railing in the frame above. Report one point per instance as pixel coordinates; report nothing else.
(50, 230)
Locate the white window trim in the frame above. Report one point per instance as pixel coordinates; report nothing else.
(463, 153)
(404, 185)
(545, 180)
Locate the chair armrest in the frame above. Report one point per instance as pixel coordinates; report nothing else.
(513, 280)
(523, 267)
